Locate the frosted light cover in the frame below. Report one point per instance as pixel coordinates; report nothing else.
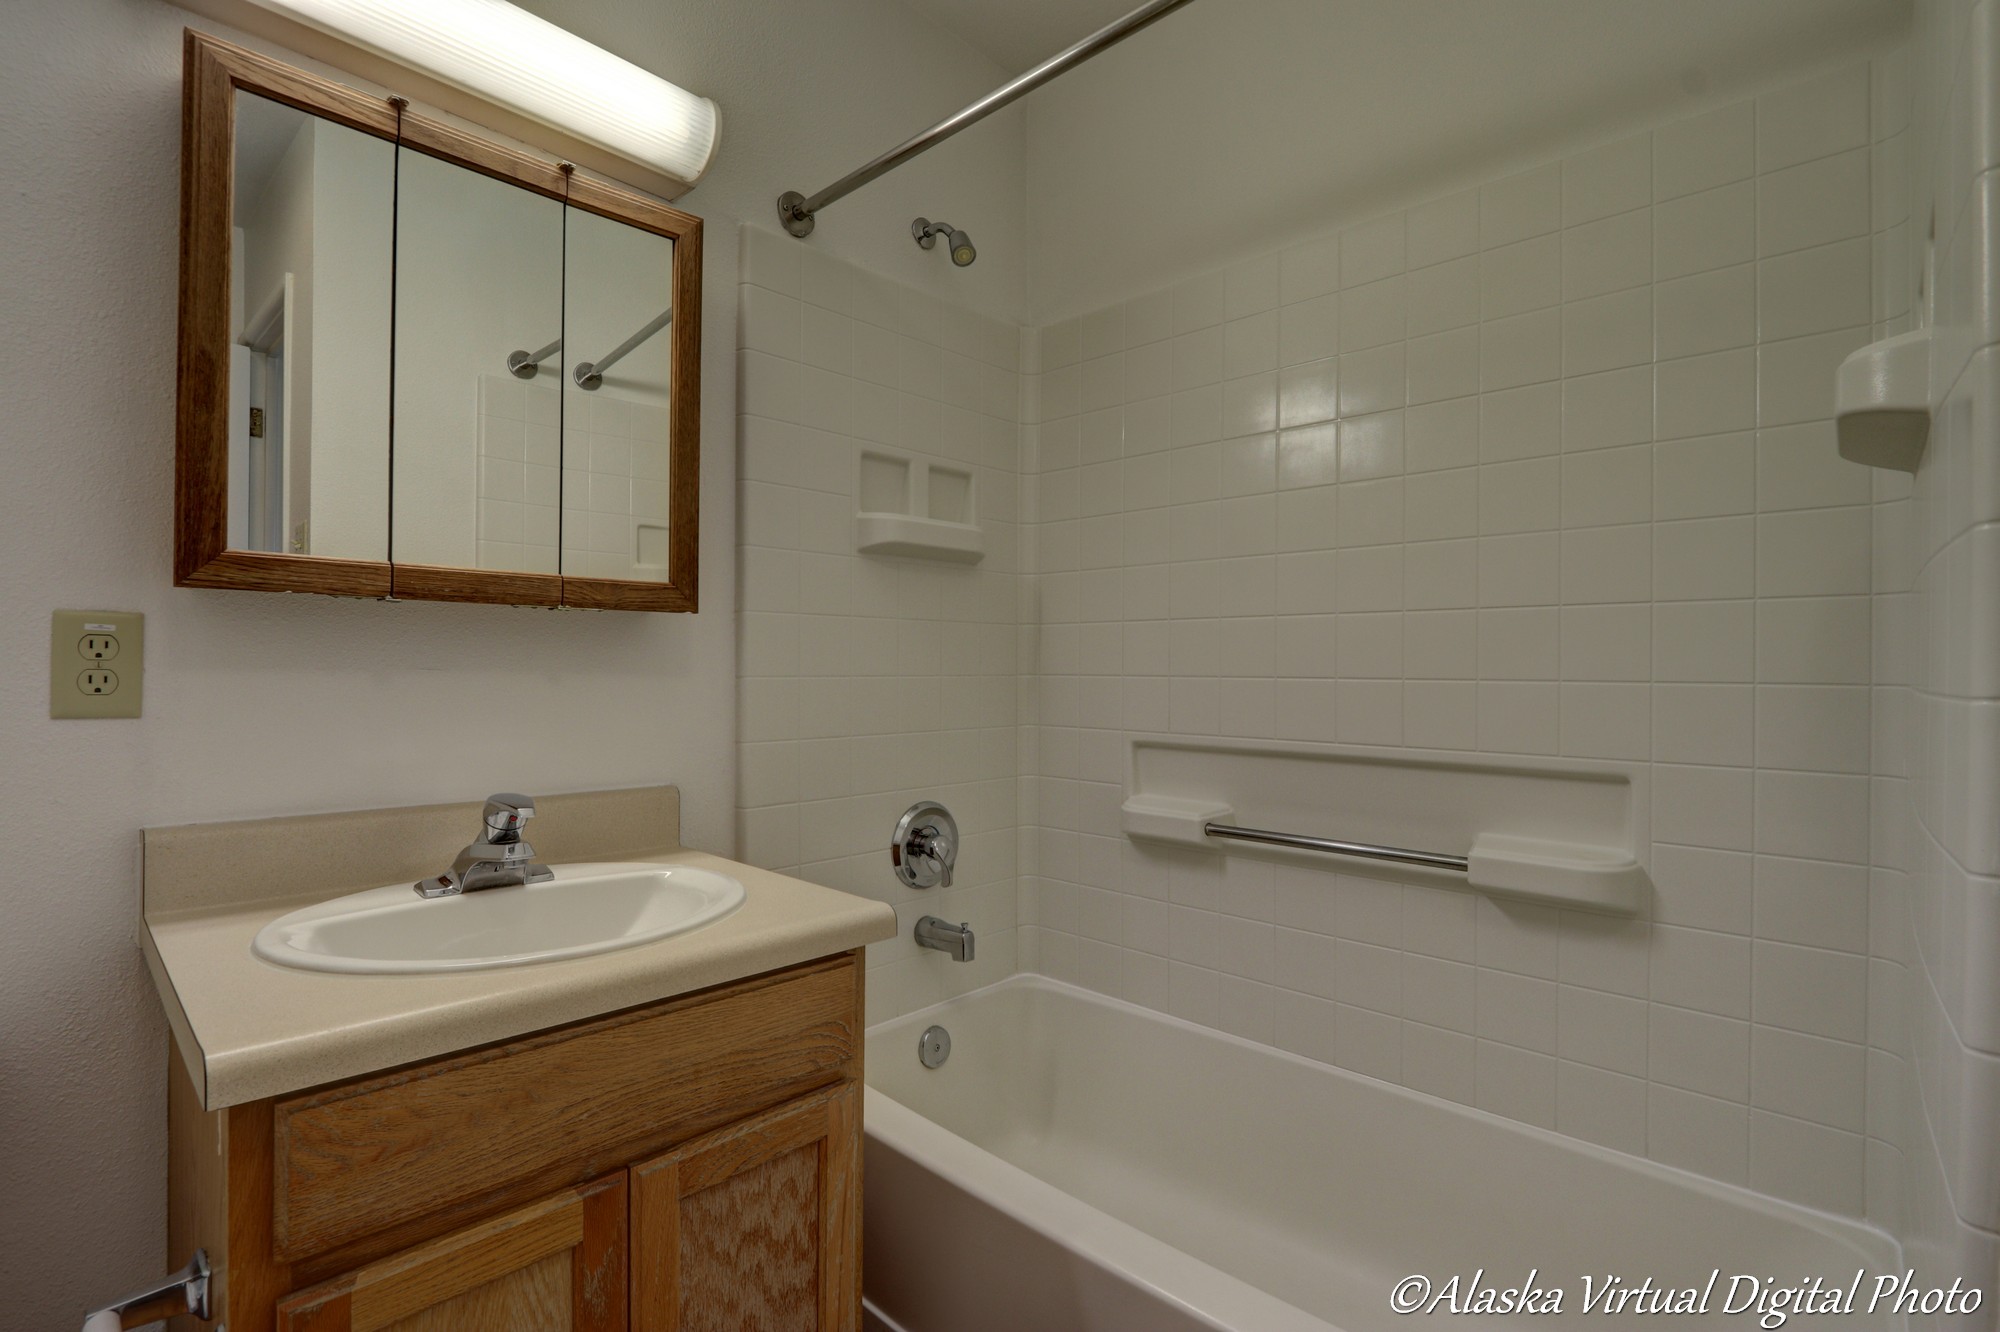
(509, 56)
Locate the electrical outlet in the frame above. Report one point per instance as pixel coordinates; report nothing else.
(83, 681)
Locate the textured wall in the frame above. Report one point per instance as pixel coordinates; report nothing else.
(1543, 467)
(260, 704)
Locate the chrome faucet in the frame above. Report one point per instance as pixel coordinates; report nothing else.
(499, 859)
(945, 937)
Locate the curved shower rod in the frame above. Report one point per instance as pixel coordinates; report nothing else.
(796, 210)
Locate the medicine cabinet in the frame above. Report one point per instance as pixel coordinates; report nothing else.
(416, 362)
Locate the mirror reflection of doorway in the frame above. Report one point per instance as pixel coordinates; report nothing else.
(263, 428)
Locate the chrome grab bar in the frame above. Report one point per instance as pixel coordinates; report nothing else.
(1365, 850)
(185, 1292)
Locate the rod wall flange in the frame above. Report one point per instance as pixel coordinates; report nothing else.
(792, 212)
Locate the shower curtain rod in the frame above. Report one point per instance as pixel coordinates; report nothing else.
(796, 210)
(590, 374)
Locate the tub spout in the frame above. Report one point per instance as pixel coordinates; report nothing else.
(945, 937)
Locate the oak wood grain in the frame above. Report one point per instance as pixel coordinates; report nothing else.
(267, 571)
(247, 1288)
(750, 1248)
(445, 1269)
(432, 582)
(530, 1270)
(543, 175)
(535, 1298)
(449, 1137)
(610, 199)
(197, 1177)
(754, 1225)
(840, 1213)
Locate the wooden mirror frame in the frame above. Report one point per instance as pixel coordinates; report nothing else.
(214, 72)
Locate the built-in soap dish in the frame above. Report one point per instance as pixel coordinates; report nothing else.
(1882, 402)
(911, 506)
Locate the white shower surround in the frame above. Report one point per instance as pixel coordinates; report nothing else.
(1801, 1012)
(1543, 467)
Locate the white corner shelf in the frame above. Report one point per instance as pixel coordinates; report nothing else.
(1882, 402)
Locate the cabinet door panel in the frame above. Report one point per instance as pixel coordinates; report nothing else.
(554, 1266)
(753, 1226)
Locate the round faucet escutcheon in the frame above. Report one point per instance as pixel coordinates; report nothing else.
(925, 847)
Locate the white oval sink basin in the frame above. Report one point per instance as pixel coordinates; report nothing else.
(585, 909)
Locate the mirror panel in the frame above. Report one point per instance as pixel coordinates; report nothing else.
(617, 386)
(311, 273)
(479, 276)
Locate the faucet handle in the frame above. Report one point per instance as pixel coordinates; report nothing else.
(505, 813)
(925, 846)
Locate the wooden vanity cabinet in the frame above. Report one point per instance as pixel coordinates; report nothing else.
(686, 1166)
(557, 1265)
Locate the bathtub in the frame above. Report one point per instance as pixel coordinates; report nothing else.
(1079, 1164)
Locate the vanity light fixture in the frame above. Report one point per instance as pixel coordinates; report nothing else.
(493, 50)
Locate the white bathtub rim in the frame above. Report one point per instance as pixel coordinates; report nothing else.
(869, 1309)
(1174, 1277)
(1875, 1247)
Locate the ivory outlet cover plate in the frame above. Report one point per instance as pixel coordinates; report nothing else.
(96, 663)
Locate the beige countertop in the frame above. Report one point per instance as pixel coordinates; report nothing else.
(249, 1029)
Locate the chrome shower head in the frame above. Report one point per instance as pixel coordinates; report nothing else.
(926, 233)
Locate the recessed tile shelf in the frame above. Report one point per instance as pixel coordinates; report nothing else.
(1553, 832)
(911, 506)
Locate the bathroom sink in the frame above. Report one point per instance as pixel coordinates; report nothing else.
(584, 909)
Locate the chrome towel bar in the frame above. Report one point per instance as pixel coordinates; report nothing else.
(1365, 850)
(185, 1292)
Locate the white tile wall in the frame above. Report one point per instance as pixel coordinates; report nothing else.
(615, 485)
(520, 454)
(1541, 468)
(869, 681)
(584, 520)
(1934, 910)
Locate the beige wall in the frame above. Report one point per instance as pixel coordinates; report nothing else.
(260, 704)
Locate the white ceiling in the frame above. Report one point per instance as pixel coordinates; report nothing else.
(1231, 126)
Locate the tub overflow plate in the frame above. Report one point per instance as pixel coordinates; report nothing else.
(934, 1046)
